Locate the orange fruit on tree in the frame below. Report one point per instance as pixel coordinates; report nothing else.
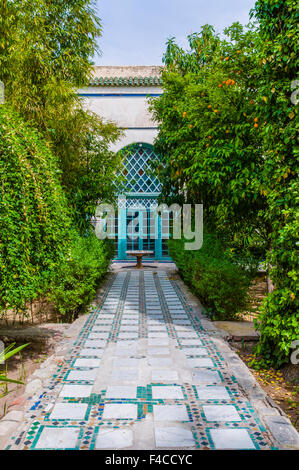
(220, 85)
(215, 110)
(226, 58)
(209, 136)
(207, 145)
(210, 106)
(191, 126)
(255, 119)
(184, 114)
(256, 125)
(233, 82)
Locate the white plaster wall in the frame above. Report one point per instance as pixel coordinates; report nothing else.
(128, 112)
(135, 135)
(125, 111)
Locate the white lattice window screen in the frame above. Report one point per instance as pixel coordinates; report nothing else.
(137, 171)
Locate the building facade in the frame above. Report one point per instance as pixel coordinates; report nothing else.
(120, 94)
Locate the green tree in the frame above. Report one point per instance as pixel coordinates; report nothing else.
(51, 44)
(35, 223)
(209, 144)
(278, 60)
(227, 138)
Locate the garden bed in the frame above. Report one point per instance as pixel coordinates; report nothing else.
(282, 385)
(42, 344)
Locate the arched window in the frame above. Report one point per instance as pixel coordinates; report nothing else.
(137, 169)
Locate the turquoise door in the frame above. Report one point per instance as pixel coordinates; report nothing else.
(136, 223)
(138, 232)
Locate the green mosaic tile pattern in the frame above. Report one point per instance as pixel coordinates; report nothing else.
(143, 328)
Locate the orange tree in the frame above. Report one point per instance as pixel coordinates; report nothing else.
(226, 138)
(209, 141)
(278, 60)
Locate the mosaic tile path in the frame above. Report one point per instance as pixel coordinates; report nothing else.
(142, 374)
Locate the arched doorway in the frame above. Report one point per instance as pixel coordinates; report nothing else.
(138, 224)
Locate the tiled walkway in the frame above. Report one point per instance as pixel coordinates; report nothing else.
(142, 374)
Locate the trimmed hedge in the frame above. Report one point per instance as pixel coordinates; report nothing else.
(220, 284)
(79, 274)
(34, 220)
(41, 253)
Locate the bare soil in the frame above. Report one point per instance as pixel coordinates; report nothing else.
(22, 365)
(281, 385)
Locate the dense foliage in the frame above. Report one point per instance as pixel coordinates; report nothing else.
(33, 212)
(55, 158)
(41, 254)
(278, 59)
(227, 140)
(45, 58)
(213, 276)
(79, 273)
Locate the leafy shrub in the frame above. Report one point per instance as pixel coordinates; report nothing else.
(79, 274)
(33, 213)
(40, 253)
(219, 283)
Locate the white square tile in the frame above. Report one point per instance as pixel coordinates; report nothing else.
(121, 391)
(206, 376)
(103, 322)
(185, 333)
(88, 375)
(87, 362)
(195, 351)
(191, 342)
(69, 411)
(165, 392)
(165, 375)
(100, 328)
(157, 334)
(66, 438)
(199, 362)
(76, 391)
(231, 439)
(101, 343)
(109, 438)
(92, 352)
(159, 328)
(170, 413)
(132, 334)
(129, 328)
(173, 437)
(99, 335)
(221, 413)
(120, 411)
(212, 392)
